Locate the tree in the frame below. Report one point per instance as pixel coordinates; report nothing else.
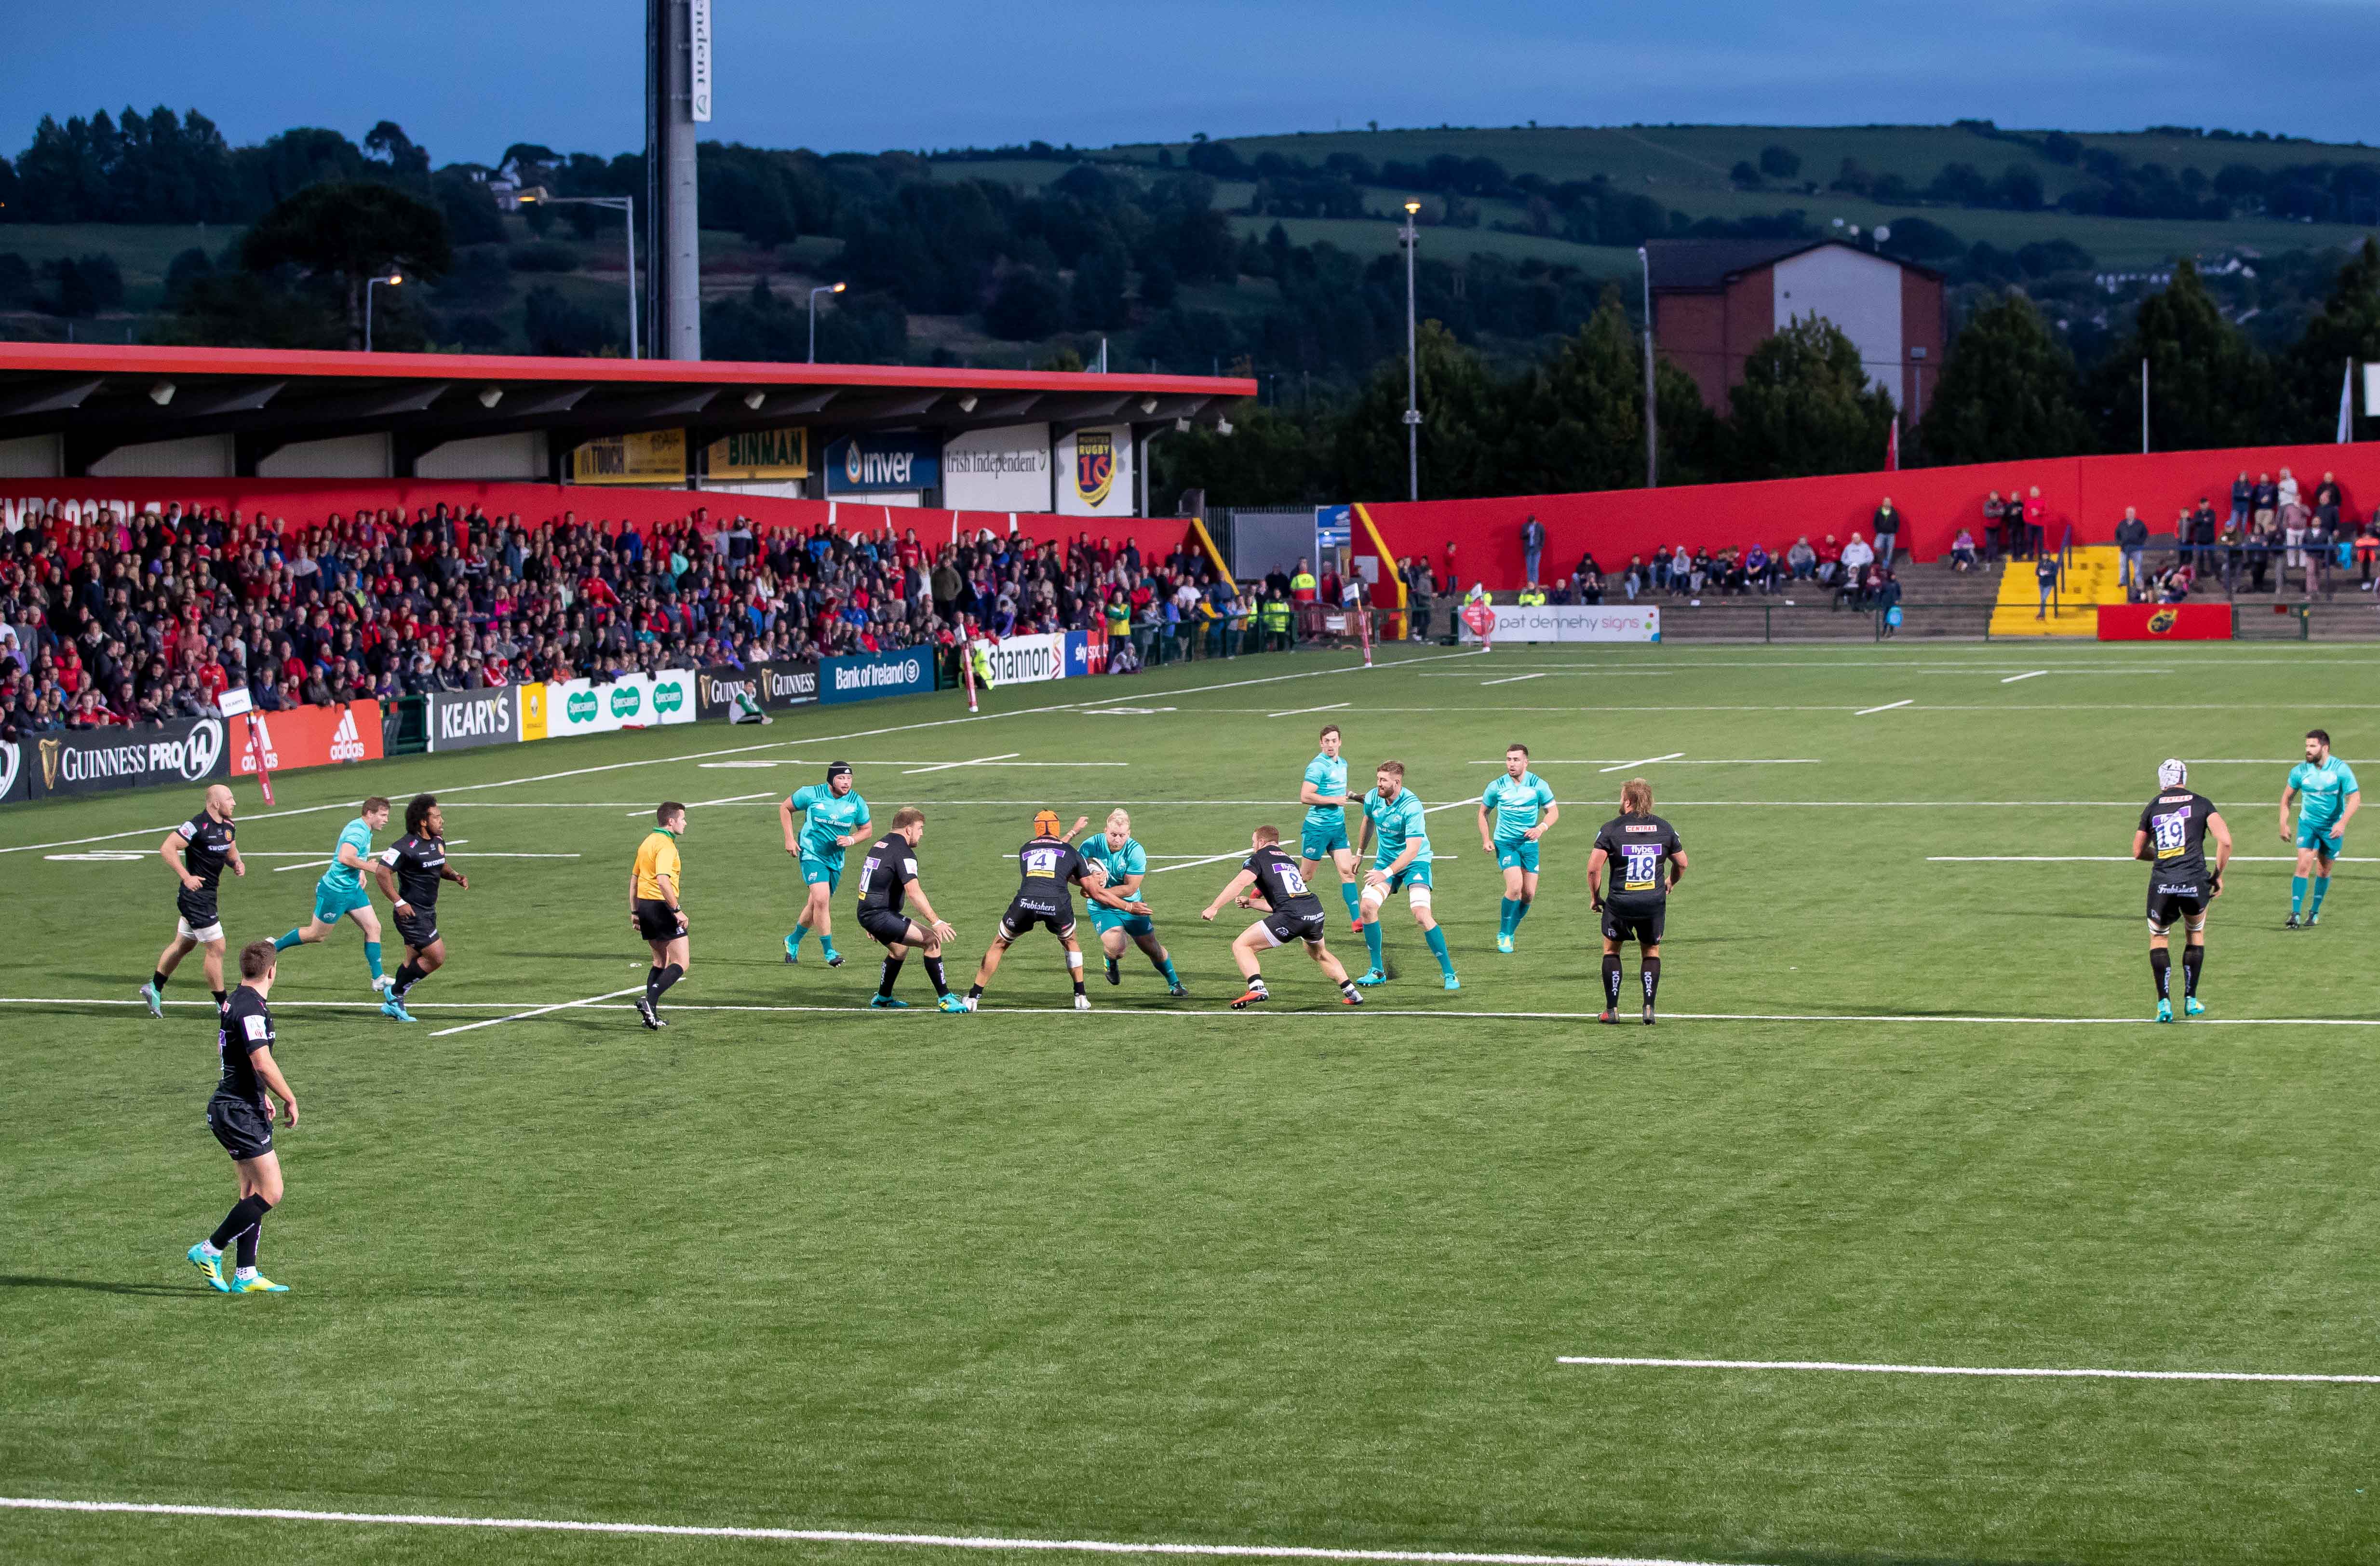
(2008, 390)
(1779, 163)
(1273, 456)
(2208, 386)
(1028, 306)
(2346, 327)
(1806, 405)
(1462, 425)
(347, 232)
(1577, 421)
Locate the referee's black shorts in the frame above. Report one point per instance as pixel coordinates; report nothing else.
(656, 920)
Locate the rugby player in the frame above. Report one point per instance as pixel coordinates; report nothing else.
(1325, 796)
(198, 850)
(2329, 796)
(2172, 836)
(240, 1114)
(1271, 884)
(1523, 811)
(888, 881)
(1395, 813)
(409, 871)
(834, 818)
(1049, 868)
(340, 893)
(1124, 864)
(655, 911)
(1647, 861)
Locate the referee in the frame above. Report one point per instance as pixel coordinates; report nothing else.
(653, 908)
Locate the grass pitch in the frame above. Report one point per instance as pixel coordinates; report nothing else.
(1295, 1278)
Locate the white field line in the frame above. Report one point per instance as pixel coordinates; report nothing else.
(540, 1011)
(2078, 666)
(1210, 859)
(1647, 762)
(2028, 675)
(975, 761)
(813, 742)
(1293, 711)
(284, 870)
(1904, 701)
(829, 1535)
(1831, 1019)
(1510, 680)
(2108, 859)
(2243, 762)
(1960, 1370)
(1712, 761)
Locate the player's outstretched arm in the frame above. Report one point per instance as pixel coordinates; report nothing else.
(930, 919)
(1239, 884)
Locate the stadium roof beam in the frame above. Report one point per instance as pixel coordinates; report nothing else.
(48, 396)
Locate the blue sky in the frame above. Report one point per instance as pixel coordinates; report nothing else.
(467, 79)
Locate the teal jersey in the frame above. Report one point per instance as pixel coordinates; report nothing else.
(1328, 775)
(341, 877)
(826, 818)
(1131, 859)
(1398, 822)
(1516, 803)
(2322, 790)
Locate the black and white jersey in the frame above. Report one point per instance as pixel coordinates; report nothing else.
(1638, 848)
(244, 1027)
(417, 861)
(1048, 868)
(2176, 822)
(885, 875)
(1280, 883)
(207, 847)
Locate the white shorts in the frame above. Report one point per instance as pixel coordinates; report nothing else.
(1418, 895)
(205, 935)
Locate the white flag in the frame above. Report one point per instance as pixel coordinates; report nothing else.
(2347, 405)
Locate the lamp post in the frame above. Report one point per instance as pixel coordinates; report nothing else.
(821, 288)
(1411, 239)
(627, 206)
(1652, 433)
(393, 279)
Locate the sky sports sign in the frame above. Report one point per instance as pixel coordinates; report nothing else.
(868, 675)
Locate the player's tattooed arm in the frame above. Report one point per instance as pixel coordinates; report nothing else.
(448, 872)
(1230, 893)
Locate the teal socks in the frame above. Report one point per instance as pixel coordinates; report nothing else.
(2321, 885)
(2297, 894)
(1521, 910)
(1372, 941)
(1165, 966)
(795, 940)
(1437, 949)
(282, 942)
(371, 956)
(1354, 896)
(1508, 914)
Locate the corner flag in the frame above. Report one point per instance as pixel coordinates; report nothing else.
(2347, 405)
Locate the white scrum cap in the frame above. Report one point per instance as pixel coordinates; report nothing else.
(2173, 772)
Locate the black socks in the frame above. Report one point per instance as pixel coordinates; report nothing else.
(891, 972)
(157, 981)
(658, 980)
(407, 978)
(1652, 976)
(934, 976)
(239, 1224)
(2161, 965)
(1611, 981)
(2193, 959)
(221, 995)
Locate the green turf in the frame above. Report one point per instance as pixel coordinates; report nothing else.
(1297, 1278)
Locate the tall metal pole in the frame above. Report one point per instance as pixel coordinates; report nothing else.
(1412, 237)
(629, 214)
(669, 188)
(1652, 419)
(2144, 405)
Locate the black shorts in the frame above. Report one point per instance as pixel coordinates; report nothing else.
(418, 929)
(1639, 922)
(1290, 925)
(1024, 914)
(2171, 904)
(196, 908)
(245, 1131)
(656, 920)
(887, 926)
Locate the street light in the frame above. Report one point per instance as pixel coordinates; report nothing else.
(1409, 238)
(1652, 432)
(821, 288)
(624, 205)
(393, 279)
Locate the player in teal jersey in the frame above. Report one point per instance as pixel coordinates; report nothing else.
(2328, 798)
(833, 817)
(1124, 862)
(1324, 795)
(1393, 813)
(340, 893)
(1515, 812)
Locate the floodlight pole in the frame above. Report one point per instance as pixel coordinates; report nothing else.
(626, 205)
(1652, 422)
(1411, 239)
(369, 284)
(821, 288)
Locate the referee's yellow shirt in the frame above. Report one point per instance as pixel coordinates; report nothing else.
(656, 857)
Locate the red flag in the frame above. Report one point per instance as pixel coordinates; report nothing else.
(1892, 448)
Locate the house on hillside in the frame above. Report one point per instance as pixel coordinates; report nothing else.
(1715, 300)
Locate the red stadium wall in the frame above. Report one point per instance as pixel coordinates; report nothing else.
(304, 501)
(2090, 491)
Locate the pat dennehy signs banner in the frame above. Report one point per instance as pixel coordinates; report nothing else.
(464, 720)
(877, 673)
(86, 761)
(1002, 470)
(1572, 623)
(778, 686)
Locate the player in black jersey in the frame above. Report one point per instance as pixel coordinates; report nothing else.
(1049, 871)
(888, 884)
(2172, 836)
(1271, 882)
(409, 871)
(198, 850)
(240, 1114)
(1647, 861)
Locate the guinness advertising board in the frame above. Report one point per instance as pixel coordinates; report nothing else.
(190, 750)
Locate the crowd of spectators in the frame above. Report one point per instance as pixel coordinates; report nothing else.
(111, 613)
(2277, 536)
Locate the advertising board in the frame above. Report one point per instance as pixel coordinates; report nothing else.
(1001, 470)
(1095, 475)
(1017, 661)
(306, 736)
(188, 750)
(1605, 622)
(869, 674)
(2164, 622)
(465, 719)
